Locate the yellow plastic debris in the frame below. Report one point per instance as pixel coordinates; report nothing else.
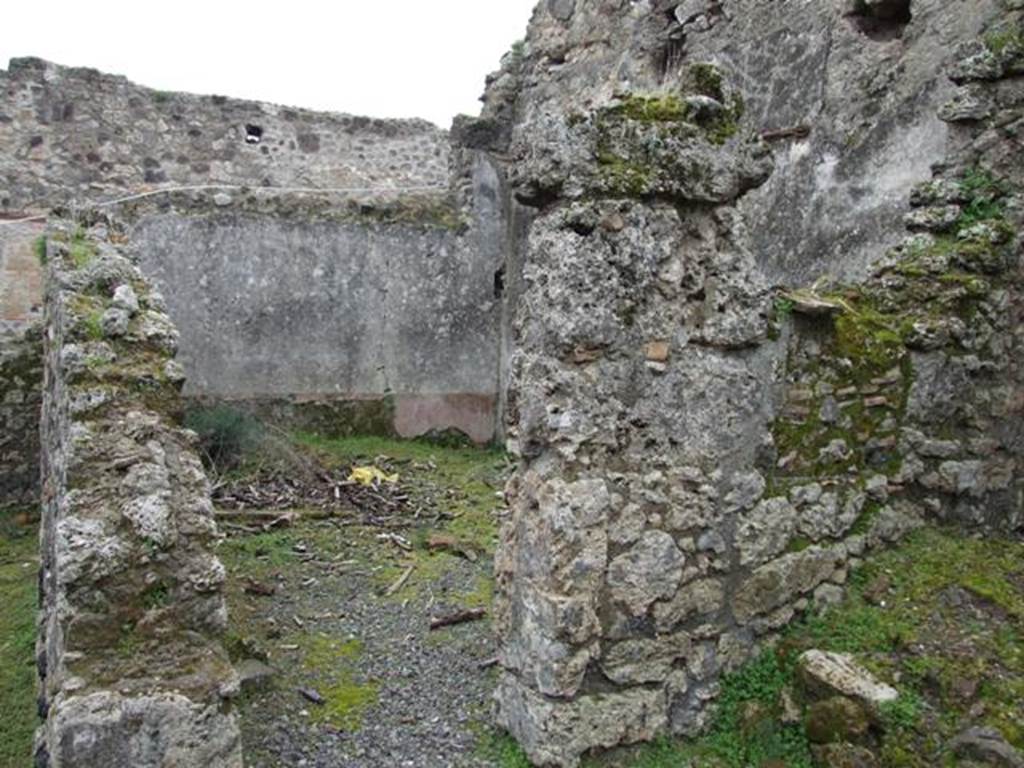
(371, 475)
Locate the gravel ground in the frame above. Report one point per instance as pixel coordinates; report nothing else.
(409, 696)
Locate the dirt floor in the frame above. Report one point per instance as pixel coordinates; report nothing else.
(332, 605)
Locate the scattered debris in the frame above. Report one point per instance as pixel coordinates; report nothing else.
(399, 541)
(323, 493)
(312, 696)
(441, 542)
(472, 614)
(252, 587)
(807, 303)
(400, 581)
(371, 476)
(838, 673)
(876, 591)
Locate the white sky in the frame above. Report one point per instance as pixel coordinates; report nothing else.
(382, 58)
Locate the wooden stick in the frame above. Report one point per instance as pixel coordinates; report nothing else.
(472, 614)
(400, 582)
(796, 132)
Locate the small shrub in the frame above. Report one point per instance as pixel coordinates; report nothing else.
(81, 250)
(984, 194)
(903, 713)
(94, 325)
(783, 307)
(226, 435)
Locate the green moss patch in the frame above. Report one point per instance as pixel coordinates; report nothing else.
(933, 283)
(332, 663)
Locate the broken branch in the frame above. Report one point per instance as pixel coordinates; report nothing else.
(473, 614)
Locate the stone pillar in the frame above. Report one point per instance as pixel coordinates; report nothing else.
(709, 439)
(132, 669)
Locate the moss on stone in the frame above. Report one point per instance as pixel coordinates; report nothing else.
(934, 280)
(623, 177)
(630, 131)
(667, 108)
(706, 80)
(883, 635)
(873, 341)
(39, 246)
(1008, 38)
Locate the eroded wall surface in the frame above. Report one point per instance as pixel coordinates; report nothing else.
(768, 319)
(132, 670)
(21, 361)
(388, 310)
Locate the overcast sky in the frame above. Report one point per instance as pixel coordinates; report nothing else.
(399, 58)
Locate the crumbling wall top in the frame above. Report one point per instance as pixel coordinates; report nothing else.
(78, 134)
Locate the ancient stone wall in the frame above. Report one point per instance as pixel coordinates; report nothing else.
(373, 316)
(132, 669)
(21, 362)
(80, 134)
(733, 367)
(376, 308)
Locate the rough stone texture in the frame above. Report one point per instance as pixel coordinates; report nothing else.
(131, 666)
(89, 136)
(837, 673)
(634, 715)
(21, 367)
(988, 746)
(745, 330)
(774, 325)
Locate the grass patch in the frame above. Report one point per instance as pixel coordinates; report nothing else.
(18, 549)
(346, 698)
(273, 550)
(81, 250)
(39, 246)
(501, 750)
